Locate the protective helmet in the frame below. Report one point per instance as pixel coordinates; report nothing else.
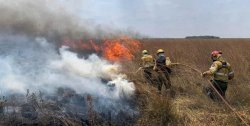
(145, 52)
(160, 51)
(215, 54)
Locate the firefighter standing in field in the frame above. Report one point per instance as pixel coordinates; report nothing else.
(147, 65)
(222, 72)
(162, 64)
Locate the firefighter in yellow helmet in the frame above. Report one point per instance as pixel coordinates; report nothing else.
(162, 64)
(147, 65)
(222, 72)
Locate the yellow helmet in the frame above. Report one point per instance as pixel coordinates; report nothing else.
(145, 52)
(160, 51)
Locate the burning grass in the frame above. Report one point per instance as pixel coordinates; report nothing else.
(115, 50)
(72, 89)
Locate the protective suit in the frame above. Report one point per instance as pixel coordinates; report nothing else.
(147, 65)
(162, 64)
(221, 72)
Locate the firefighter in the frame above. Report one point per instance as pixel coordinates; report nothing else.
(222, 72)
(162, 64)
(147, 65)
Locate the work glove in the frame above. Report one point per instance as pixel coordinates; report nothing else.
(203, 74)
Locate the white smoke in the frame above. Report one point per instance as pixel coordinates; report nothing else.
(36, 65)
(30, 34)
(91, 70)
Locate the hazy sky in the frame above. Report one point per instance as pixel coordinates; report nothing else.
(172, 18)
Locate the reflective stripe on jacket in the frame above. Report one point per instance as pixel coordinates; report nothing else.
(221, 70)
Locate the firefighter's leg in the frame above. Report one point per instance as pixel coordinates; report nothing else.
(224, 91)
(150, 79)
(221, 88)
(148, 76)
(160, 82)
(168, 82)
(210, 91)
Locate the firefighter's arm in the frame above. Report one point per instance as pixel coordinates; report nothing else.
(142, 62)
(155, 68)
(211, 70)
(155, 65)
(168, 61)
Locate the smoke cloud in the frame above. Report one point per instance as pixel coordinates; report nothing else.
(49, 19)
(31, 57)
(36, 65)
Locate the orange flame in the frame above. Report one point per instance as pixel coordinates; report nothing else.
(120, 49)
(114, 50)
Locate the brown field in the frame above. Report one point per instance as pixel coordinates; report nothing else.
(187, 106)
(190, 106)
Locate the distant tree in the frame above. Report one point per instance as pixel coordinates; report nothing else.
(202, 37)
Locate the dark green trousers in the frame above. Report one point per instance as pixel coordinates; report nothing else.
(220, 86)
(148, 74)
(163, 79)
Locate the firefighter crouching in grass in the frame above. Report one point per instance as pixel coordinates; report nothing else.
(222, 72)
(147, 65)
(161, 66)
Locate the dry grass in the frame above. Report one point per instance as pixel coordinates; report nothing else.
(190, 106)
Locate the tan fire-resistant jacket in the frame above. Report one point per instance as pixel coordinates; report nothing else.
(147, 61)
(219, 72)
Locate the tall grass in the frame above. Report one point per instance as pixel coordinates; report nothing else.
(191, 106)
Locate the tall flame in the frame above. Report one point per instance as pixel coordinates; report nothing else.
(120, 49)
(115, 50)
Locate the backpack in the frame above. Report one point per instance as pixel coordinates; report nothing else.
(225, 66)
(161, 63)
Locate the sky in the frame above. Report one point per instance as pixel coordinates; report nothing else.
(171, 18)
